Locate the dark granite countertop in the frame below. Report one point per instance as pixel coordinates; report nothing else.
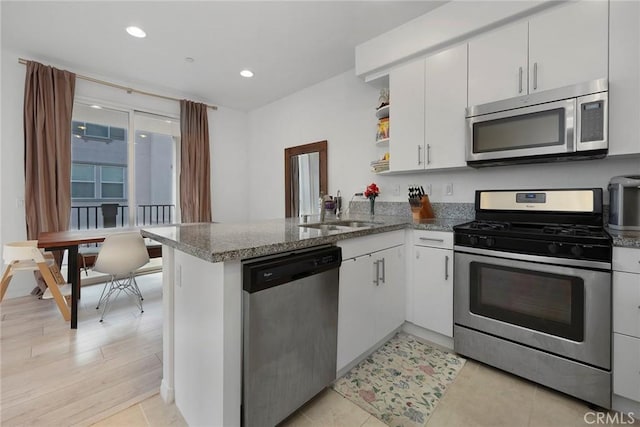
(224, 242)
(216, 242)
(625, 239)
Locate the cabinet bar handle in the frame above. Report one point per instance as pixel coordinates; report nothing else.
(428, 153)
(419, 154)
(535, 76)
(431, 239)
(520, 80)
(376, 279)
(446, 267)
(383, 269)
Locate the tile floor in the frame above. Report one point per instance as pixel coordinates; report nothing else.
(480, 396)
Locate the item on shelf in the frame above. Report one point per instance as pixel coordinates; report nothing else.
(382, 112)
(380, 165)
(384, 97)
(383, 129)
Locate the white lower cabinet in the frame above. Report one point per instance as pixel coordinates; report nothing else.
(626, 366)
(432, 282)
(433, 289)
(626, 324)
(372, 293)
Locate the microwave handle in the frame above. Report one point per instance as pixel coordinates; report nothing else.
(535, 76)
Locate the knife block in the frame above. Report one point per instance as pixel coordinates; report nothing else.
(424, 211)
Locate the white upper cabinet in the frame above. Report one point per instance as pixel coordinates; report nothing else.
(445, 102)
(624, 78)
(565, 45)
(498, 64)
(406, 117)
(568, 45)
(426, 120)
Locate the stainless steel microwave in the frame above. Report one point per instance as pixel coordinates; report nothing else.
(560, 124)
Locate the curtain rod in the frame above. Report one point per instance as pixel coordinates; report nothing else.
(125, 88)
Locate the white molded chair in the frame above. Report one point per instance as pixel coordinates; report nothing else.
(25, 256)
(120, 256)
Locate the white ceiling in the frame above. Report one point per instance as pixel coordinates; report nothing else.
(289, 45)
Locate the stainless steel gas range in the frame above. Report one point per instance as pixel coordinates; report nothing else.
(532, 289)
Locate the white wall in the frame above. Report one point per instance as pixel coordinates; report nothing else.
(228, 137)
(341, 110)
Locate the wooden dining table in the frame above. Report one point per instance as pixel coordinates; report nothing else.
(70, 240)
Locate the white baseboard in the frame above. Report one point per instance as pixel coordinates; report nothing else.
(427, 335)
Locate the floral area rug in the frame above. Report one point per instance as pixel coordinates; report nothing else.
(401, 382)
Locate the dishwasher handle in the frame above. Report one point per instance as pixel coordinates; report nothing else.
(264, 273)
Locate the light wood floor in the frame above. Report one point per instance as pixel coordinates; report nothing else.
(110, 373)
(53, 376)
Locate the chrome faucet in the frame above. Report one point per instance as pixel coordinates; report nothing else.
(321, 207)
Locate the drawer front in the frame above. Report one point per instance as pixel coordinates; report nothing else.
(626, 259)
(626, 367)
(433, 239)
(373, 243)
(626, 303)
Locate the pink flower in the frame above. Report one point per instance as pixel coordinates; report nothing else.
(426, 369)
(367, 395)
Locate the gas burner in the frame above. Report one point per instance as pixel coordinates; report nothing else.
(572, 230)
(490, 225)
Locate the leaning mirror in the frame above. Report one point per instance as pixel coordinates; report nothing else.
(305, 177)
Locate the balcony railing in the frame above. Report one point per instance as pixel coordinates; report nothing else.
(93, 216)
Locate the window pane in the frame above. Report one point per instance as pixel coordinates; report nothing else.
(112, 174)
(97, 130)
(154, 168)
(83, 190)
(81, 172)
(112, 191)
(100, 144)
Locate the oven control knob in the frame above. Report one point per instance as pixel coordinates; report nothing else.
(473, 240)
(576, 250)
(490, 241)
(553, 248)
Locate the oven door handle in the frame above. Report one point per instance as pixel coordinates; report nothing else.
(600, 265)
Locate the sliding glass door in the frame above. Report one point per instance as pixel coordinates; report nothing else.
(123, 168)
(156, 140)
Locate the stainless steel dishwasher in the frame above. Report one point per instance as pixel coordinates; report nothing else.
(290, 330)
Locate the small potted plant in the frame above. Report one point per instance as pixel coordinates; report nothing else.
(371, 193)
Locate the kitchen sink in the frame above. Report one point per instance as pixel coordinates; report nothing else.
(339, 225)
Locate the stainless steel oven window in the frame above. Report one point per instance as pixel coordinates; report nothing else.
(539, 129)
(546, 302)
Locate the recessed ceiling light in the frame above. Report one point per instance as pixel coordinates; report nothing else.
(77, 136)
(167, 121)
(97, 107)
(246, 73)
(136, 32)
(142, 135)
(82, 127)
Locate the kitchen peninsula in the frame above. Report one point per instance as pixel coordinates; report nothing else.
(202, 302)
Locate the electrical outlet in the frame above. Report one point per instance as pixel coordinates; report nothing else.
(396, 190)
(428, 189)
(449, 189)
(19, 203)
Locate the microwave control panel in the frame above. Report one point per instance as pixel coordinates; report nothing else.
(592, 121)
